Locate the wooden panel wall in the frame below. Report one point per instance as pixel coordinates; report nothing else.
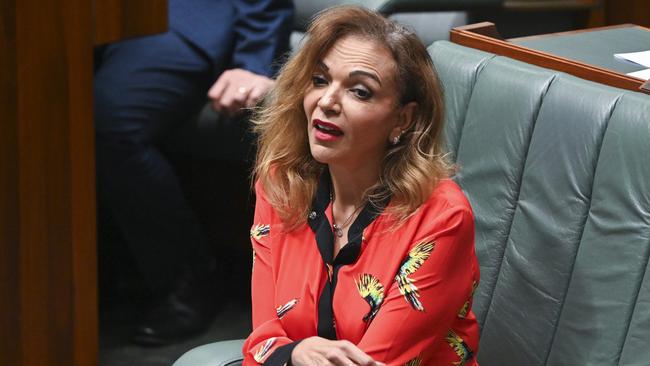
(48, 306)
(48, 264)
(627, 11)
(9, 302)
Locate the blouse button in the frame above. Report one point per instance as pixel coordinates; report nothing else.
(312, 215)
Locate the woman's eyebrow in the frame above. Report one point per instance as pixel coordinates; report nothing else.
(322, 65)
(365, 73)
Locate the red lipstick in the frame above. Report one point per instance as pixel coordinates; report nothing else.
(326, 131)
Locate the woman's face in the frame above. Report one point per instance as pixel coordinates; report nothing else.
(352, 105)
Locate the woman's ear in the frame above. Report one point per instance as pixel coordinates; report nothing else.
(404, 122)
(406, 115)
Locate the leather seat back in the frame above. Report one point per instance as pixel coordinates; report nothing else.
(557, 170)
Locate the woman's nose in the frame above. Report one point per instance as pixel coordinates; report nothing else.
(329, 102)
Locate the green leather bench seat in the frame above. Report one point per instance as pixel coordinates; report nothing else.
(558, 173)
(594, 48)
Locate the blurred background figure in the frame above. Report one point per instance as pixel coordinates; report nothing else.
(143, 89)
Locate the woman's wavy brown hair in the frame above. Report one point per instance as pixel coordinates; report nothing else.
(284, 165)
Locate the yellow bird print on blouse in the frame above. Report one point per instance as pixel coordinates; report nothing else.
(263, 350)
(259, 231)
(465, 309)
(412, 263)
(460, 347)
(373, 292)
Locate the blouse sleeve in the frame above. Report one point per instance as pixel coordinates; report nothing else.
(434, 281)
(268, 335)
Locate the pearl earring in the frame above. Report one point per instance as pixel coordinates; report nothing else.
(396, 139)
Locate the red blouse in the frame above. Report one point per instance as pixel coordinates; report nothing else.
(403, 296)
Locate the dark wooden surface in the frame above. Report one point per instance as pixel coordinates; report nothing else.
(120, 19)
(9, 302)
(627, 11)
(487, 29)
(48, 264)
(474, 36)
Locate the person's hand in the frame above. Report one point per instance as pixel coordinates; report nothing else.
(236, 89)
(324, 352)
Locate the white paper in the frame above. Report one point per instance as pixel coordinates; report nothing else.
(641, 74)
(642, 58)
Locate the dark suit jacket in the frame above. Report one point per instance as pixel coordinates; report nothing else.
(249, 34)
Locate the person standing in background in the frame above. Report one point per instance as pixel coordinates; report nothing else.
(143, 88)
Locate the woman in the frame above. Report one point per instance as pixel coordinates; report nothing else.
(363, 248)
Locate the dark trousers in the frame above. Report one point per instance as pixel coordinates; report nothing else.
(143, 88)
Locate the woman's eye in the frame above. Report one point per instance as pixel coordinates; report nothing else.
(362, 93)
(318, 80)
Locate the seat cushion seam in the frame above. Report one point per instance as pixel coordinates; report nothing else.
(475, 77)
(582, 232)
(636, 299)
(635, 302)
(516, 201)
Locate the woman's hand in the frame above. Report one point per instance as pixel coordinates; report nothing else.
(317, 351)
